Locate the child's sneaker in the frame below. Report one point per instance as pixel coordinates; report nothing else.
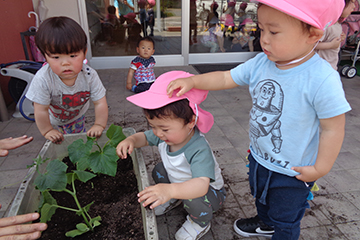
(251, 227)
(191, 230)
(169, 205)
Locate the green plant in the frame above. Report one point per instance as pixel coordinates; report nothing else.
(88, 164)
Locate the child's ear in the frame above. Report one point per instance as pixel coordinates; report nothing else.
(192, 123)
(315, 35)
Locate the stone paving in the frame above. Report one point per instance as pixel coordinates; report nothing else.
(335, 210)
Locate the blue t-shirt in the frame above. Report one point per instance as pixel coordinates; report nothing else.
(287, 106)
(124, 9)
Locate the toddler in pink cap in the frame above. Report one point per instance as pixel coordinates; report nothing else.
(188, 172)
(295, 93)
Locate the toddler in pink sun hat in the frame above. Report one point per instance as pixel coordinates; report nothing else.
(188, 173)
(295, 93)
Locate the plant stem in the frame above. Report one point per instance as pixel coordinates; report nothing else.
(66, 208)
(96, 143)
(78, 204)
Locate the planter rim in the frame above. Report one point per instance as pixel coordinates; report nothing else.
(27, 197)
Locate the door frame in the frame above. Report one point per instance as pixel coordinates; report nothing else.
(183, 59)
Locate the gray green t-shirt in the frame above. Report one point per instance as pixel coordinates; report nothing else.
(195, 159)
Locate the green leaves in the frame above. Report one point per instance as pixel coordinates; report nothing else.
(48, 206)
(104, 162)
(79, 153)
(55, 178)
(115, 134)
(82, 228)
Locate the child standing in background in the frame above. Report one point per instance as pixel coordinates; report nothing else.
(143, 16)
(294, 95)
(189, 172)
(151, 16)
(142, 67)
(329, 45)
(62, 88)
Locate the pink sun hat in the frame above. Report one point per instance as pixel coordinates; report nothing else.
(319, 14)
(151, 2)
(156, 97)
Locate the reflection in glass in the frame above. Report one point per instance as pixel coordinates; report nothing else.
(223, 26)
(117, 34)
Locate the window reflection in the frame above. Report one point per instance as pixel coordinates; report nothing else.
(117, 34)
(223, 26)
(216, 26)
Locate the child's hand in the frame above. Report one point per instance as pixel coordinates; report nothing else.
(13, 227)
(125, 146)
(12, 143)
(55, 136)
(128, 86)
(95, 131)
(183, 84)
(335, 43)
(155, 195)
(307, 173)
(342, 36)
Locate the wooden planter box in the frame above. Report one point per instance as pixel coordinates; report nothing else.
(27, 197)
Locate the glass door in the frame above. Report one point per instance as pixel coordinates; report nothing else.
(222, 31)
(218, 31)
(115, 27)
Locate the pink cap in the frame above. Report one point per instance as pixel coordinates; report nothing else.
(151, 2)
(228, 19)
(318, 13)
(157, 97)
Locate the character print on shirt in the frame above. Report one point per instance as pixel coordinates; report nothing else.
(265, 113)
(71, 105)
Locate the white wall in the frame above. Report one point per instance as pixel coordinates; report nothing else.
(67, 8)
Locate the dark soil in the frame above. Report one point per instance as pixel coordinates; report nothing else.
(115, 201)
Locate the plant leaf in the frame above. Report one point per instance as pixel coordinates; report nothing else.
(46, 197)
(115, 134)
(79, 152)
(54, 178)
(84, 176)
(74, 233)
(47, 211)
(104, 162)
(87, 207)
(69, 177)
(95, 221)
(82, 227)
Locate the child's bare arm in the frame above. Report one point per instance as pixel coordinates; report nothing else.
(129, 78)
(101, 117)
(163, 192)
(42, 121)
(331, 138)
(12, 143)
(335, 43)
(209, 81)
(136, 140)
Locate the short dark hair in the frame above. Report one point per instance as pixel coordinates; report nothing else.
(111, 9)
(178, 109)
(60, 35)
(149, 39)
